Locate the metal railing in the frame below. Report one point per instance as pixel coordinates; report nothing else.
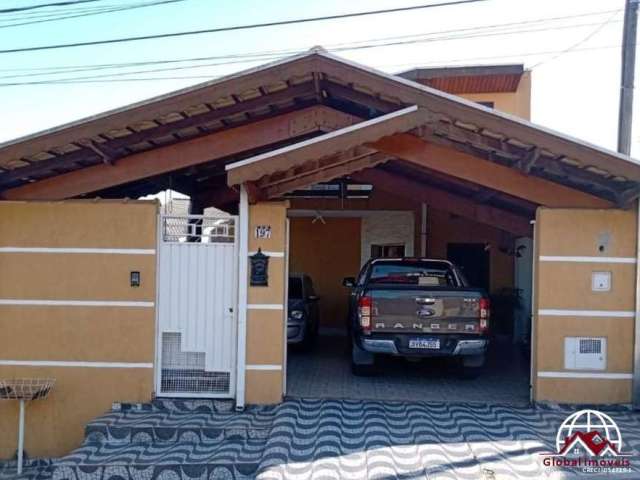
(198, 229)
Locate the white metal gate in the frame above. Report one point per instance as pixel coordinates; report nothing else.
(197, 279)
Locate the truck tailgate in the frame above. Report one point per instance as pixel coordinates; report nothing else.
(416, 310)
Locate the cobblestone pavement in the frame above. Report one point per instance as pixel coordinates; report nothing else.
(322, 439)
(400, 440)
(326, 373)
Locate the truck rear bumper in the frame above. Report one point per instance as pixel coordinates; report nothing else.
(451, 347)
(471, 347)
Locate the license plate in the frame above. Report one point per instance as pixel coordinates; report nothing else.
(424, 343)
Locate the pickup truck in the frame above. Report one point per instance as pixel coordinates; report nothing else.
(416, 307)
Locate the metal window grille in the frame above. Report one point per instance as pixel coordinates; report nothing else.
(184, 372)
(198, 228)
(590, 345)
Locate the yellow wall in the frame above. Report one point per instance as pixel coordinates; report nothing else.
(516, 103)
(444, 228)
(327, 251)
(97, 336)
(564, 285)
(265, 325)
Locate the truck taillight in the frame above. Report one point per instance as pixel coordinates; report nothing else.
(485, 312)
(364, 313)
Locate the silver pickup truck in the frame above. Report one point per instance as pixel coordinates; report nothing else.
(416, 307)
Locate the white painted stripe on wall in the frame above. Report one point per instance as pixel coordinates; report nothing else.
(117, 251)
(553, 258)
(56, 363)
(265, 306)
(270, 254)
(75, 303)
(611, 376)
(587, 313)
(264, 367)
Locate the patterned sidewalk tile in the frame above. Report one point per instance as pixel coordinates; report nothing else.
(392, 440)
(336, 439)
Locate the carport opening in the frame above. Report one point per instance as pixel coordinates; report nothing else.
(332, 237)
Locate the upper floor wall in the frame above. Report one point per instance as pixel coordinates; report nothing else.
(504, 87)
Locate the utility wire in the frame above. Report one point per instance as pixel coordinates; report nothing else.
(97, 11)
(228, 60)
(46, 5)
(236, 27)
(581, 42)
(448, 62)
(57, 11)
(491, 29)
(415, 64)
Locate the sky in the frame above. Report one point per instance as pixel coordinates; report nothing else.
(575, 61)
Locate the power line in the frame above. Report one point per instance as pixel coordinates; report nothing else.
(60, 16)
(497, 57)
(416, 64)
(46, 5)
(237, 27)
(471, 32)
(248, 58)
(56, 11)
(104, 79)
(581, 42)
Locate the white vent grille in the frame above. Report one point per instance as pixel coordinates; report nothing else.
(590, 345)
(184, 372)
(585, 353)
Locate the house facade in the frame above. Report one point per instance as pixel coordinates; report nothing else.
(319, 164)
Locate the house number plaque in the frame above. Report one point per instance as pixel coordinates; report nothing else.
(263, 231)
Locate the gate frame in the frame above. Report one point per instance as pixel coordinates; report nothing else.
(157, 373)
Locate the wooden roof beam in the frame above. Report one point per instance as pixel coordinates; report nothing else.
(212, 115)
(106, 151)
(180, 155)
(451, 135)
(61, 162)
(326, 173)
(338, 91)
(489, 174)
(444, 200)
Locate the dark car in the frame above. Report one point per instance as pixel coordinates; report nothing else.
(303, 320)
(416, 307)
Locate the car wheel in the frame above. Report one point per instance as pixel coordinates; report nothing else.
(309, 340)
(471, 366)
(362, 362)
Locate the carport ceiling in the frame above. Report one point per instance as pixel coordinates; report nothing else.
(190, 134)
(468, 190)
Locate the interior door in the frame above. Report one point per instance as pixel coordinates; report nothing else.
(473, 260)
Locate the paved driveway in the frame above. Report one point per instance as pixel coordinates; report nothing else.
(326, 373)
